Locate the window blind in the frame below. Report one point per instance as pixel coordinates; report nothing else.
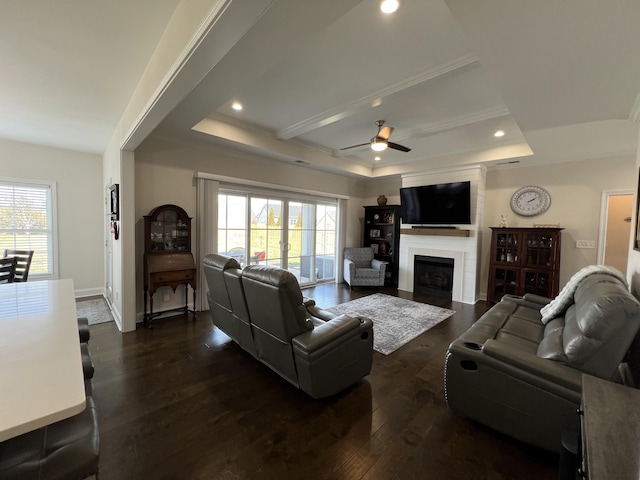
(27, 223)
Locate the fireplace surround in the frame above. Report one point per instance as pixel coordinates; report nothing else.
(433, 276)
(464, 250)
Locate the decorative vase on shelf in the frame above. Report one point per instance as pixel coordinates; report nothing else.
(382, 200)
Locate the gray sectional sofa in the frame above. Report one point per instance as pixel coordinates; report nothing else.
(522, 376)
(262, 309)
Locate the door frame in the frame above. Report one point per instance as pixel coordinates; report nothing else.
(604, 216)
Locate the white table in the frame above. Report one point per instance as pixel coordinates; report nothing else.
(41, 377)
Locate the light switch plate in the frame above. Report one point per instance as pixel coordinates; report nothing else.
(585, 244)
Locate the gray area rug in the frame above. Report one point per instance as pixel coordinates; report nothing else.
(396, 321)
(95, 309)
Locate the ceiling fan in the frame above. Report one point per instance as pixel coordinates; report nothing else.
(381, 141)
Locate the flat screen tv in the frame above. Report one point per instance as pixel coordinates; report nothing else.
(441, 204)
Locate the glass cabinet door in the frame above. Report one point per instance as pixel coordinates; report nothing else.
(167, 229)
(506, 281)
(538, 282)
(507, 246)
(538, 250)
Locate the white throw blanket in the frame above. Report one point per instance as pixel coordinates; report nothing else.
(558, 305)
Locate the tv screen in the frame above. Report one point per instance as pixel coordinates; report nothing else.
(441, 204)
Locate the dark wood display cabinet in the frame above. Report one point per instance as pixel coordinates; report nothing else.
(168, 261)
(524, 260)
(382, 233)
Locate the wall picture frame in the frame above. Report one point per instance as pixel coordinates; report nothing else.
(114, 201)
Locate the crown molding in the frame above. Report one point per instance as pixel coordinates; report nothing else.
(342, 111)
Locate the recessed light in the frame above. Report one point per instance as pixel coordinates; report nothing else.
(377, 159)
(237, 106)
(389, 6)
(499, 133)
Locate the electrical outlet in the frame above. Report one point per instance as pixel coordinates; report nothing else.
(585, 244)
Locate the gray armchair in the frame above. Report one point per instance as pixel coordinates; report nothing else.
(362, 269)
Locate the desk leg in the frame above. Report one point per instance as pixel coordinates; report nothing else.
(150, 318)
(186, 299)
(194, 303)
(144, 318)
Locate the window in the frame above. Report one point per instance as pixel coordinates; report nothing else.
(295, 234)
(28, 222)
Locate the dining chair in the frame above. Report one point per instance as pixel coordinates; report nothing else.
(23, 263)
(7, 269)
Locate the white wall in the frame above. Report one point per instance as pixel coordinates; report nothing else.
(576, 194)
(156, 95)
(81, 223)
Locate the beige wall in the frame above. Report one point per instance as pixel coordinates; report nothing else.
(81, 222)
(372, 189)
(164, 172)
(576, 193)
(633, 266)
(616, 250)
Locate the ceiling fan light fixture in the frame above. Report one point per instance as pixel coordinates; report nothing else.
(389, 6)
(378, 144)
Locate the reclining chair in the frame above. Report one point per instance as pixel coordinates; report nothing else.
(262, 309)
(522, 377)
(317, 351)
(227, 305)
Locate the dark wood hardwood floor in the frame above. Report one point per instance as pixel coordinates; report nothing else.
(182, 401)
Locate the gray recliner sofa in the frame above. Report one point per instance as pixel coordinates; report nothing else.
(522, 377)
(262, 309)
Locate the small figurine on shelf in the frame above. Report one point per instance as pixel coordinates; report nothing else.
(503, 221)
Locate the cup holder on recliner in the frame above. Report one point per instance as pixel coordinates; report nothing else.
(468, 365)
(472, 346)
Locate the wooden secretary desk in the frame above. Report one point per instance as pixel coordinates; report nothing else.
(168, 261)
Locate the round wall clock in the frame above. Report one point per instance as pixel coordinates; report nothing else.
(530, 201)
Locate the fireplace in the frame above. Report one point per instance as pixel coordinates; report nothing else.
(433, 276)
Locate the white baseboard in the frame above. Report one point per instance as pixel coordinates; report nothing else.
(89, 292)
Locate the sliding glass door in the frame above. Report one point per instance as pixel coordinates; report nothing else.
(296, 235)
(266, 232)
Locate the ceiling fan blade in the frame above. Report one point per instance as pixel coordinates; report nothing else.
(356, 146)
(397, 146)
(385, 132)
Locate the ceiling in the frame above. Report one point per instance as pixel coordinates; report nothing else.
(559, 78)
(69, 67)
